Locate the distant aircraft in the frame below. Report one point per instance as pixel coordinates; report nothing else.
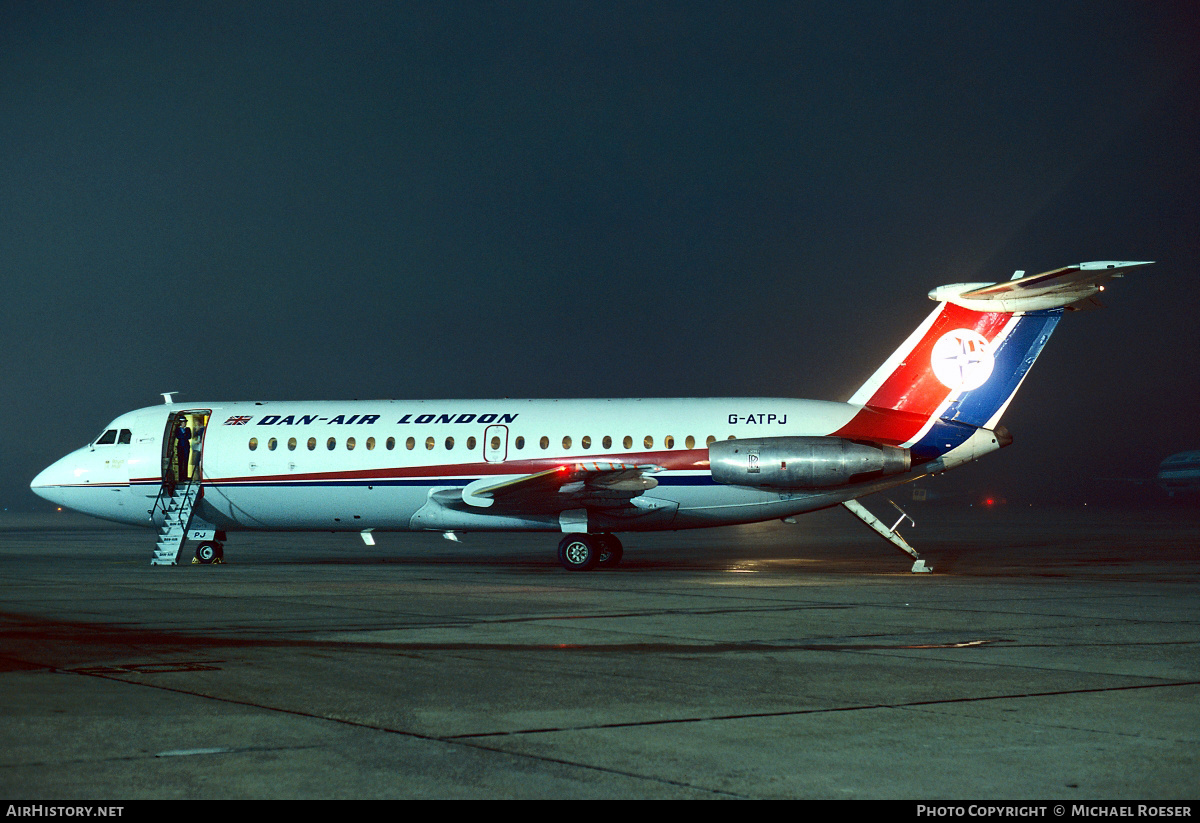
(1179, 474)
(584, 468)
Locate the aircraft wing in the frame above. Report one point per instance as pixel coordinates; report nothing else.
(570, 486)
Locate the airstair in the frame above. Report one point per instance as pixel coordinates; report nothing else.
(177, 510)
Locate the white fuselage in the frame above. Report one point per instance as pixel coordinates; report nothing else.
(375, 464)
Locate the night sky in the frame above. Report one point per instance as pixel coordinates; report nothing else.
(442, 200)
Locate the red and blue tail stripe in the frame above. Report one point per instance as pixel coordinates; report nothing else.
(915, 400)
(1014, 357)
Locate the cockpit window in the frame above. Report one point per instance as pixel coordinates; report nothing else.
(108, 438)
(125, 436)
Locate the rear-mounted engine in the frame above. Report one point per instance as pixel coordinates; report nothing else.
(803, 462)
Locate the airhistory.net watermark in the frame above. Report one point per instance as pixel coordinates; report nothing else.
(44, 810)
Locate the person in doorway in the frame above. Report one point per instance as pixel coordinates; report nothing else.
(183, 450)
(197, 442)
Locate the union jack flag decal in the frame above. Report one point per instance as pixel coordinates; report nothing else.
(238, 421)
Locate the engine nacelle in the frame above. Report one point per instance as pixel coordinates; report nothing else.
(803, 462)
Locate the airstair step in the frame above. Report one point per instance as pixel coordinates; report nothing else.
(177, 516)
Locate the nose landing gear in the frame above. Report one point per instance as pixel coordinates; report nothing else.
(210, 552)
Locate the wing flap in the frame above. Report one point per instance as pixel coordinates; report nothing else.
(570, 486)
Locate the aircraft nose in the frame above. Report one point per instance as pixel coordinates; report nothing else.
(49, 482)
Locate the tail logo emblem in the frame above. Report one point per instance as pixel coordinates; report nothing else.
(962, 360)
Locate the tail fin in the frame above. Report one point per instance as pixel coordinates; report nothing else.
(962, 366)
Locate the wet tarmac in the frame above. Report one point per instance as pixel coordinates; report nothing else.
(1052, 655)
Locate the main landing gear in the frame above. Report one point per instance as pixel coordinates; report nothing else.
(209, 552)
(580, 552)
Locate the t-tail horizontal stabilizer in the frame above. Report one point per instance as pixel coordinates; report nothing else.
(890, 535)
(1056, 289)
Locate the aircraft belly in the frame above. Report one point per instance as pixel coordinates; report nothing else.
(286, 507)
(730, 505)
(678, 502)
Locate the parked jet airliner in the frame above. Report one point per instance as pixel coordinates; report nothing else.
(584, 468)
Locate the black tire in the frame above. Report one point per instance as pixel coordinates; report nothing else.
(579, 552)
(611, 551)
(208, 552)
